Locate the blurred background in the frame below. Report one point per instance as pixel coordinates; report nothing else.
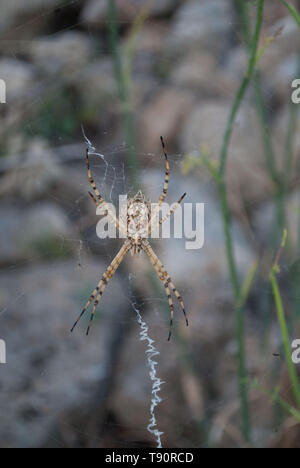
(129, 71)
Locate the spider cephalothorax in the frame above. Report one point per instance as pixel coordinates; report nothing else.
(136, 228)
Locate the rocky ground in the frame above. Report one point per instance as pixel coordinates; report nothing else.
(62, 390)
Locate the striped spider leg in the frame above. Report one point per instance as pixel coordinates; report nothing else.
(165, 187)
(99, 201)
(166, 280)
(152, 222)
(162, 273)
(98, 291)
(174, 208)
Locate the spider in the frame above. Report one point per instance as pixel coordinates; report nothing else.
(137, 228)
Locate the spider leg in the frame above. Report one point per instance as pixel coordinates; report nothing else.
(106, 213)
(99, 200)
(174, 208)
(165, 187)
(170, 300)
(107, 275)
(166, 183)
(165, 278)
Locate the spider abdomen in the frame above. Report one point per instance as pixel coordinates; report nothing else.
(138, 217)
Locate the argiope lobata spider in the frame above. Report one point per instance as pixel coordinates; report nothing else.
(137, 228)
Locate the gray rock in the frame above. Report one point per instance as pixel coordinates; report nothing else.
(11, 11)
(201, 71)
(64, 53)
(275, 61)
(279, 132)
(18, 76)
(48, 369)
(94, 12)
(205, 25)
(33, 233)
(283, 75)
(265, 215)
(196, 69)
(32, 173)
(248, 180)
(151, 38)
(99, 82)
(163, 116)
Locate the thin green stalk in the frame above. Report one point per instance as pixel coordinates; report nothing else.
(242, 9)
(289, 144)
(285, 336)
(126, 109)
(269, 151)
(283, 325)
(298, 233)
(228, 132)
(288, 155)
(283, 187)
(132, 42)
(292, 10)
(275, 397)
(291, 135)
(239, 312)
(239, 318)
(228, 239)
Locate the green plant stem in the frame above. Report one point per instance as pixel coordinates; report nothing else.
(261, 111)
(228, 239)
(284, 185)
(239, 310)
(292, 10)
(243, 87)
(239, 318)
(285, 337)
(242, 9)
(126, 109)
(288, 156)
(291, 135)
(274, 397)
(293, 112)
(289, 144)
(298, 233)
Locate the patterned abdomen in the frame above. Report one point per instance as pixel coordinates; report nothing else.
(138, 216)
